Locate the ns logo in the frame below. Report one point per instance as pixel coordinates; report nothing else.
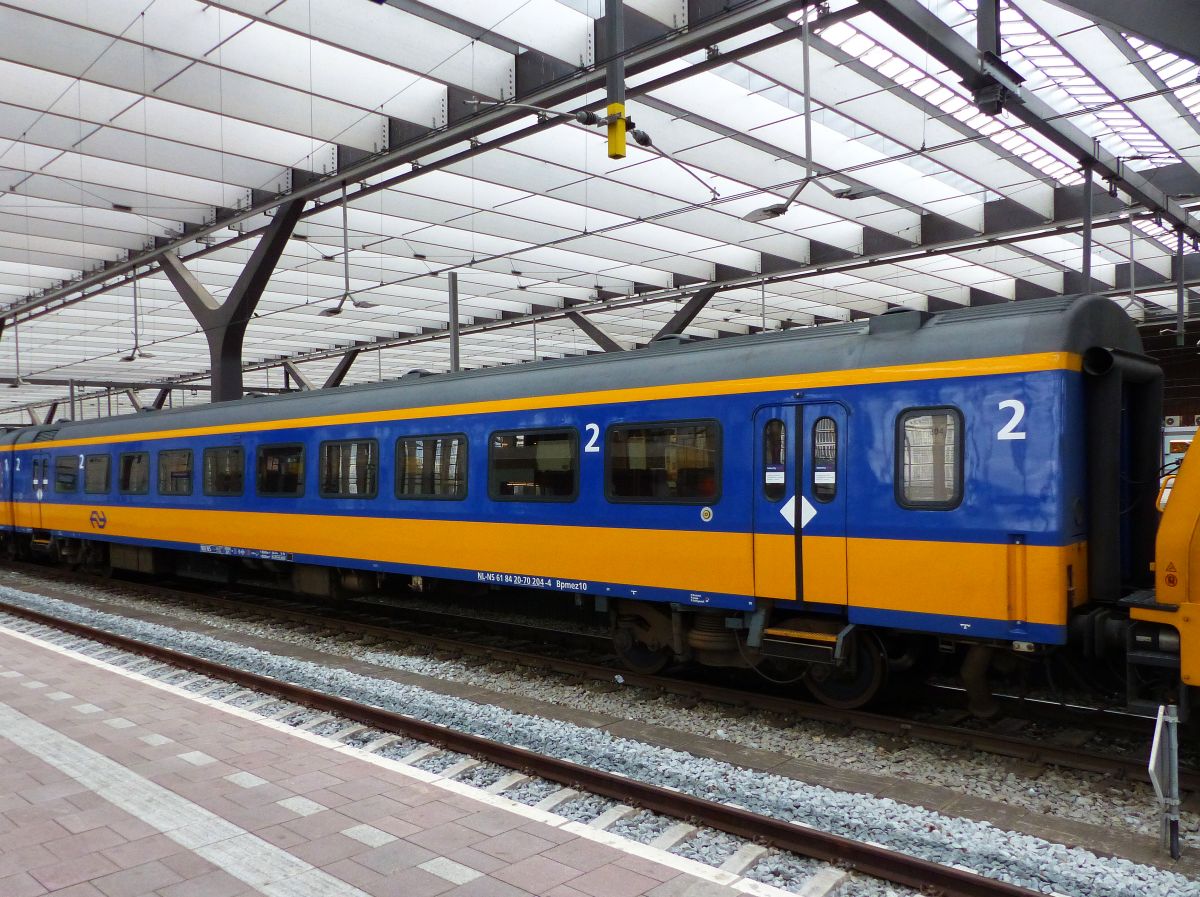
(98, 519)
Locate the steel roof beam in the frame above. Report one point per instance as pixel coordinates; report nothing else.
(676, 44)
(684, 316)
(925, 29)
(1171, 24)
(598, 336)
(339, 373)
(291, 370)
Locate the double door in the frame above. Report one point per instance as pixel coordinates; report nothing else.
(800, 501)
(30, 479)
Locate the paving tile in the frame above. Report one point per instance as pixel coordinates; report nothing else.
(611, 880)
(536, 874)
(83, 889)
(59, 696)
(448, 836)
(143, 850)
(369, 835)
(22, 859)
(391, 858)
(329, 849)
(301, 806)
(514, 845)
(455, 873)
(87, 708)
(91, 841)
(370, 808)
(493, 821)
(154, 739)
(583, 854)
(486, 887)
(197, 758)
(33, 684)
(245, 780)
(119, 722)
(137, 881)
(65, 873)
(20, 885)
(211, 884)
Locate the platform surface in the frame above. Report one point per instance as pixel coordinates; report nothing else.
(113, 786)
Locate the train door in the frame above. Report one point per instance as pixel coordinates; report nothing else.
(821, 502)
(41, 485)
(774, 499)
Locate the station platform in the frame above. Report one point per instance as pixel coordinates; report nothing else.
(114, 785)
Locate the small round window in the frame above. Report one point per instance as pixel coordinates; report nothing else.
(824, 459)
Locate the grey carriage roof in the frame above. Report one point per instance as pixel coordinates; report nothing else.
(1049, 325)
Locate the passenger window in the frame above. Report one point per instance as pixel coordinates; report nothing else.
(824, 459)
(281, 470)
(66, 473)
(663, 462)
(774, 460)
(175, 472)
(541, 465)
(224, 470)
(135, 473)
(95, 474)
(431, 467)
(349, 469)
(929, 458)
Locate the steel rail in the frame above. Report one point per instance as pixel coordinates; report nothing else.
(799, 838)
(343, 619)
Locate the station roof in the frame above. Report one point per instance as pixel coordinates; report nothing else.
(131, 127)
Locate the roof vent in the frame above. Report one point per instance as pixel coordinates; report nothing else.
(668, 341)
(898, 320)
(416, 374)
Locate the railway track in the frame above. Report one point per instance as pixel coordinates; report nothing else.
(868, 859)
(380, 621)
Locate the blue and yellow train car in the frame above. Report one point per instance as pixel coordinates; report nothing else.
(808, 496)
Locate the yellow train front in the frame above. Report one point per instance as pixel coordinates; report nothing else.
(828, 500)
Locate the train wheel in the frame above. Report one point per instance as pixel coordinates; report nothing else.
(856, 682)
(642, 637)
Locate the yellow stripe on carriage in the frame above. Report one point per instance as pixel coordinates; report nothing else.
(961, 579)
(935, 370)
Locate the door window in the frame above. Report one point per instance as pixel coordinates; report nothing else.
(774, 460)
(824, 459)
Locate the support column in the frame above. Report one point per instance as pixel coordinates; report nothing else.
(224, 324)
(1087, 227)
(454, 360)
(1180, 292)
(71, 396)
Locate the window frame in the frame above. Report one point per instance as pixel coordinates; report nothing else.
(898, 469)
(74, 470)
(571, 430)
(121, 456)
(204, 490)
(465, 464)
(321, 493)
(718, 463)
(107, 473)
(259, 449)
(191, 479)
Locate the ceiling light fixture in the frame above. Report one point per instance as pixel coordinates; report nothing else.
(766, 213)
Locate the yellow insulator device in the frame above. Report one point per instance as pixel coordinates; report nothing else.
(616, 130)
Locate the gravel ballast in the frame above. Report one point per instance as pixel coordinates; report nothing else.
(1014, 857)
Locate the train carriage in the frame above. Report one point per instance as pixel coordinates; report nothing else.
(979, 477)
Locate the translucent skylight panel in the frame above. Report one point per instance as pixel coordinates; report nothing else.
(924, 83)
(1181, 75)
